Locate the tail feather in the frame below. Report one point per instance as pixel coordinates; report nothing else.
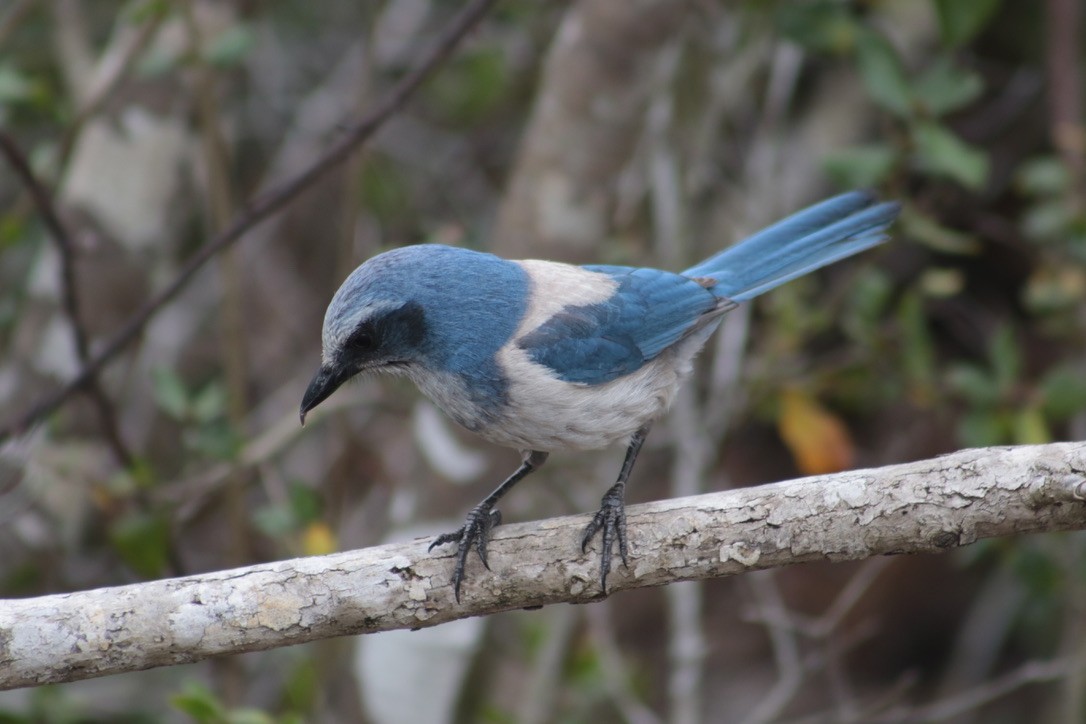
(812, 238)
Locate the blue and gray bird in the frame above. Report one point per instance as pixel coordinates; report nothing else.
(541, 356)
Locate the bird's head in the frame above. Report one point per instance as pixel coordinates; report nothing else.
(372, 324)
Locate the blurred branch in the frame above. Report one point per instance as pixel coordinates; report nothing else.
(785, 628)
(595, 87)
(216, 157)
(925, 506)
(618, 680)
(15, 14)
(109, 73)
(260, 208)
(68, 295)
(546, 682)
(1063, 49)
(686, 650)
(1032, 672)
(785, 645)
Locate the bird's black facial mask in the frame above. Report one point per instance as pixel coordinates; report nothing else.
(394, 338)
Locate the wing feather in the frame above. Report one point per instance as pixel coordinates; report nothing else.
(649, 311)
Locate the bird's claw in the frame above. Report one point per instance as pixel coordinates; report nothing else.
(475, 532)
(611, 519)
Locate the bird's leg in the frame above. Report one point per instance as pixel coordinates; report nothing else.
(483, 517)
(611, 517)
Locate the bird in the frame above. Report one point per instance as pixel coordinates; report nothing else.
(542, 356)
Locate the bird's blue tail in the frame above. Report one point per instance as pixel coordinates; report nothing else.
(807, 240)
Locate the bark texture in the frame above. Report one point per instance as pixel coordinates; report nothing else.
(925, 506)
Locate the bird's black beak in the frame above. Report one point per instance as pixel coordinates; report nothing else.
(324, 383)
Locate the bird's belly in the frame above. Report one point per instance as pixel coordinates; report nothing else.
(547, 414)
(538, 411)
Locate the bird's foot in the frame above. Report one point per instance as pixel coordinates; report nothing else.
(476, 530)
(611, 519)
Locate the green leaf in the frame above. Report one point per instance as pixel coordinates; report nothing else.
(54, 705)
(974, 384)
(1047, 221)
(13, 230)
(945, 87)
(157, 61)
(210, 403)
(883, 74)
(214, 439)
(942, 153)
(384, 189)
(861, 166)
(249, 715)
(471, 85)
(869, 297)
(918, 358)
(960, 20)
(275, 521)
(170, 393)
(143, 11)
(942, 282)
(983, 428)
(306, 504)
(126, 482)
(1038, 569)
(142, 540)
(303, 686)
(1043, 176)
(824, 26)
(1030, 427)
(1005, 358)
(1063, 392)
(229, 48)
(199, 703)
(919, 226)
(14, 85)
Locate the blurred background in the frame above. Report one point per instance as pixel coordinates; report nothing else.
(651, 132)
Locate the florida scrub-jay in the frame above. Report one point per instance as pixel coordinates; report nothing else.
(541, 356)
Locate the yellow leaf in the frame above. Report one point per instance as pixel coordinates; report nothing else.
(318, 539)
(818, 440)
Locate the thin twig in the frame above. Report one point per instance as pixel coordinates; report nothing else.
(617, 679)
(825, 625)
(1032, 672)
(69, 298)
(785, 645)
(847, 599)
(259, 208)
(784, 628)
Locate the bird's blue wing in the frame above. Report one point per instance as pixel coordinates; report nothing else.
(649, 311)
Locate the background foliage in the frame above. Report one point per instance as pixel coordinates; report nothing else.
(648, 133)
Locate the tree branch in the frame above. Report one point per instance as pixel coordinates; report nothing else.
(1062, 52)
(69, 295)
(925, 506)
(261, 207)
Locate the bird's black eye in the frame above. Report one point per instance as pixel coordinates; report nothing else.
(362, 340)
